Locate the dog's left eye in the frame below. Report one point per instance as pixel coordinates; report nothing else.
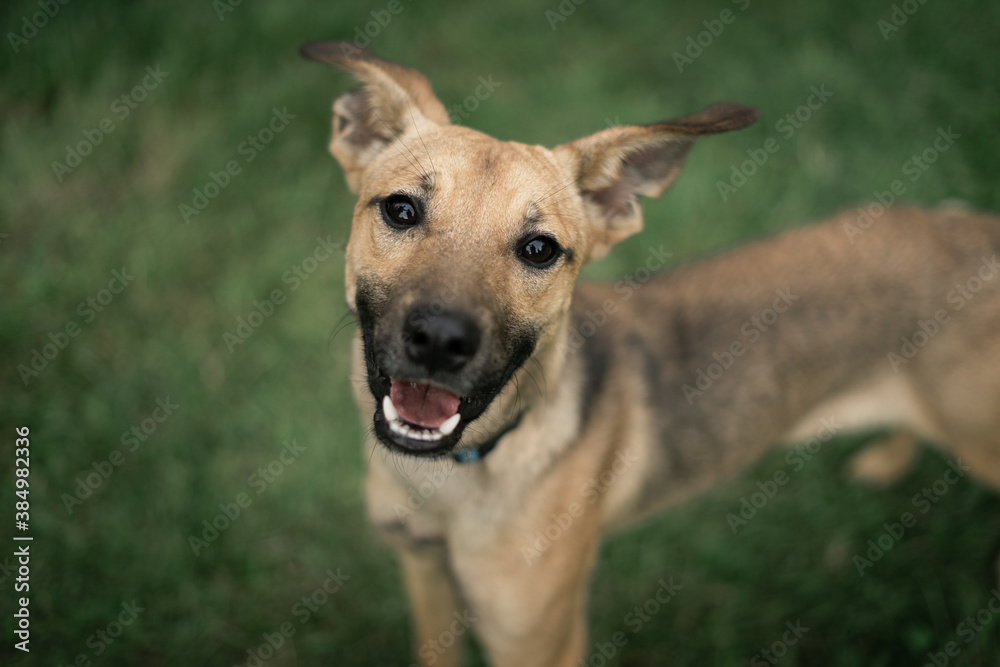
(540, 251)
(400, 211)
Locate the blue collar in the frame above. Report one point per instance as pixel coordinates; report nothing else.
(479, 453)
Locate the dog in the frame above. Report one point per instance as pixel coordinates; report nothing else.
(496, 387)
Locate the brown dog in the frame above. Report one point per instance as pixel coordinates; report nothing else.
(503, 391)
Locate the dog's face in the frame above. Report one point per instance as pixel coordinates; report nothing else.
(461, 262)
(464, 249)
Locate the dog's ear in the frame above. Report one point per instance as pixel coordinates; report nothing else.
(611, 167)
(393, 100)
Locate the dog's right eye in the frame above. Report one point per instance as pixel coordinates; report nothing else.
(400, 212)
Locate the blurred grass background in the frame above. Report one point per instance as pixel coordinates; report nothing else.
(162, 337)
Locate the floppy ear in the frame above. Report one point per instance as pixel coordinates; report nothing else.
(611, 167)
(392, 101)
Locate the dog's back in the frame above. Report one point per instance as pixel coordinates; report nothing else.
(833, 326)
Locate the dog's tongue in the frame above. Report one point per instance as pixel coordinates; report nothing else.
(422, 404)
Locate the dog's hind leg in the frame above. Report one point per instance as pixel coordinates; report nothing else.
(961, 378)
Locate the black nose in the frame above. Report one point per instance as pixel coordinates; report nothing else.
(440, 341)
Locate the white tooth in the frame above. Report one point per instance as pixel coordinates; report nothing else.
(389, 409)
(448, 427)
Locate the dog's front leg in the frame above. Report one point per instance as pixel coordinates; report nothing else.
(435, 608)
(527, 600)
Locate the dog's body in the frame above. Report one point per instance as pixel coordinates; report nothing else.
(590, 408)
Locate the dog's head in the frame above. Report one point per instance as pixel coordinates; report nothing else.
(464, 249)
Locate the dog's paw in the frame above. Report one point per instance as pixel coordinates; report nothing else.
(885, 462)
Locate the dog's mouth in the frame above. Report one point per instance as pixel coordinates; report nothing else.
(422, 418)
(423, 411)
(420, 412)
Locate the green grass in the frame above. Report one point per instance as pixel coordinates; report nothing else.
(163, 335)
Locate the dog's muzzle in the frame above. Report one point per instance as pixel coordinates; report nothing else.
(436, 343)
(434, 370)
